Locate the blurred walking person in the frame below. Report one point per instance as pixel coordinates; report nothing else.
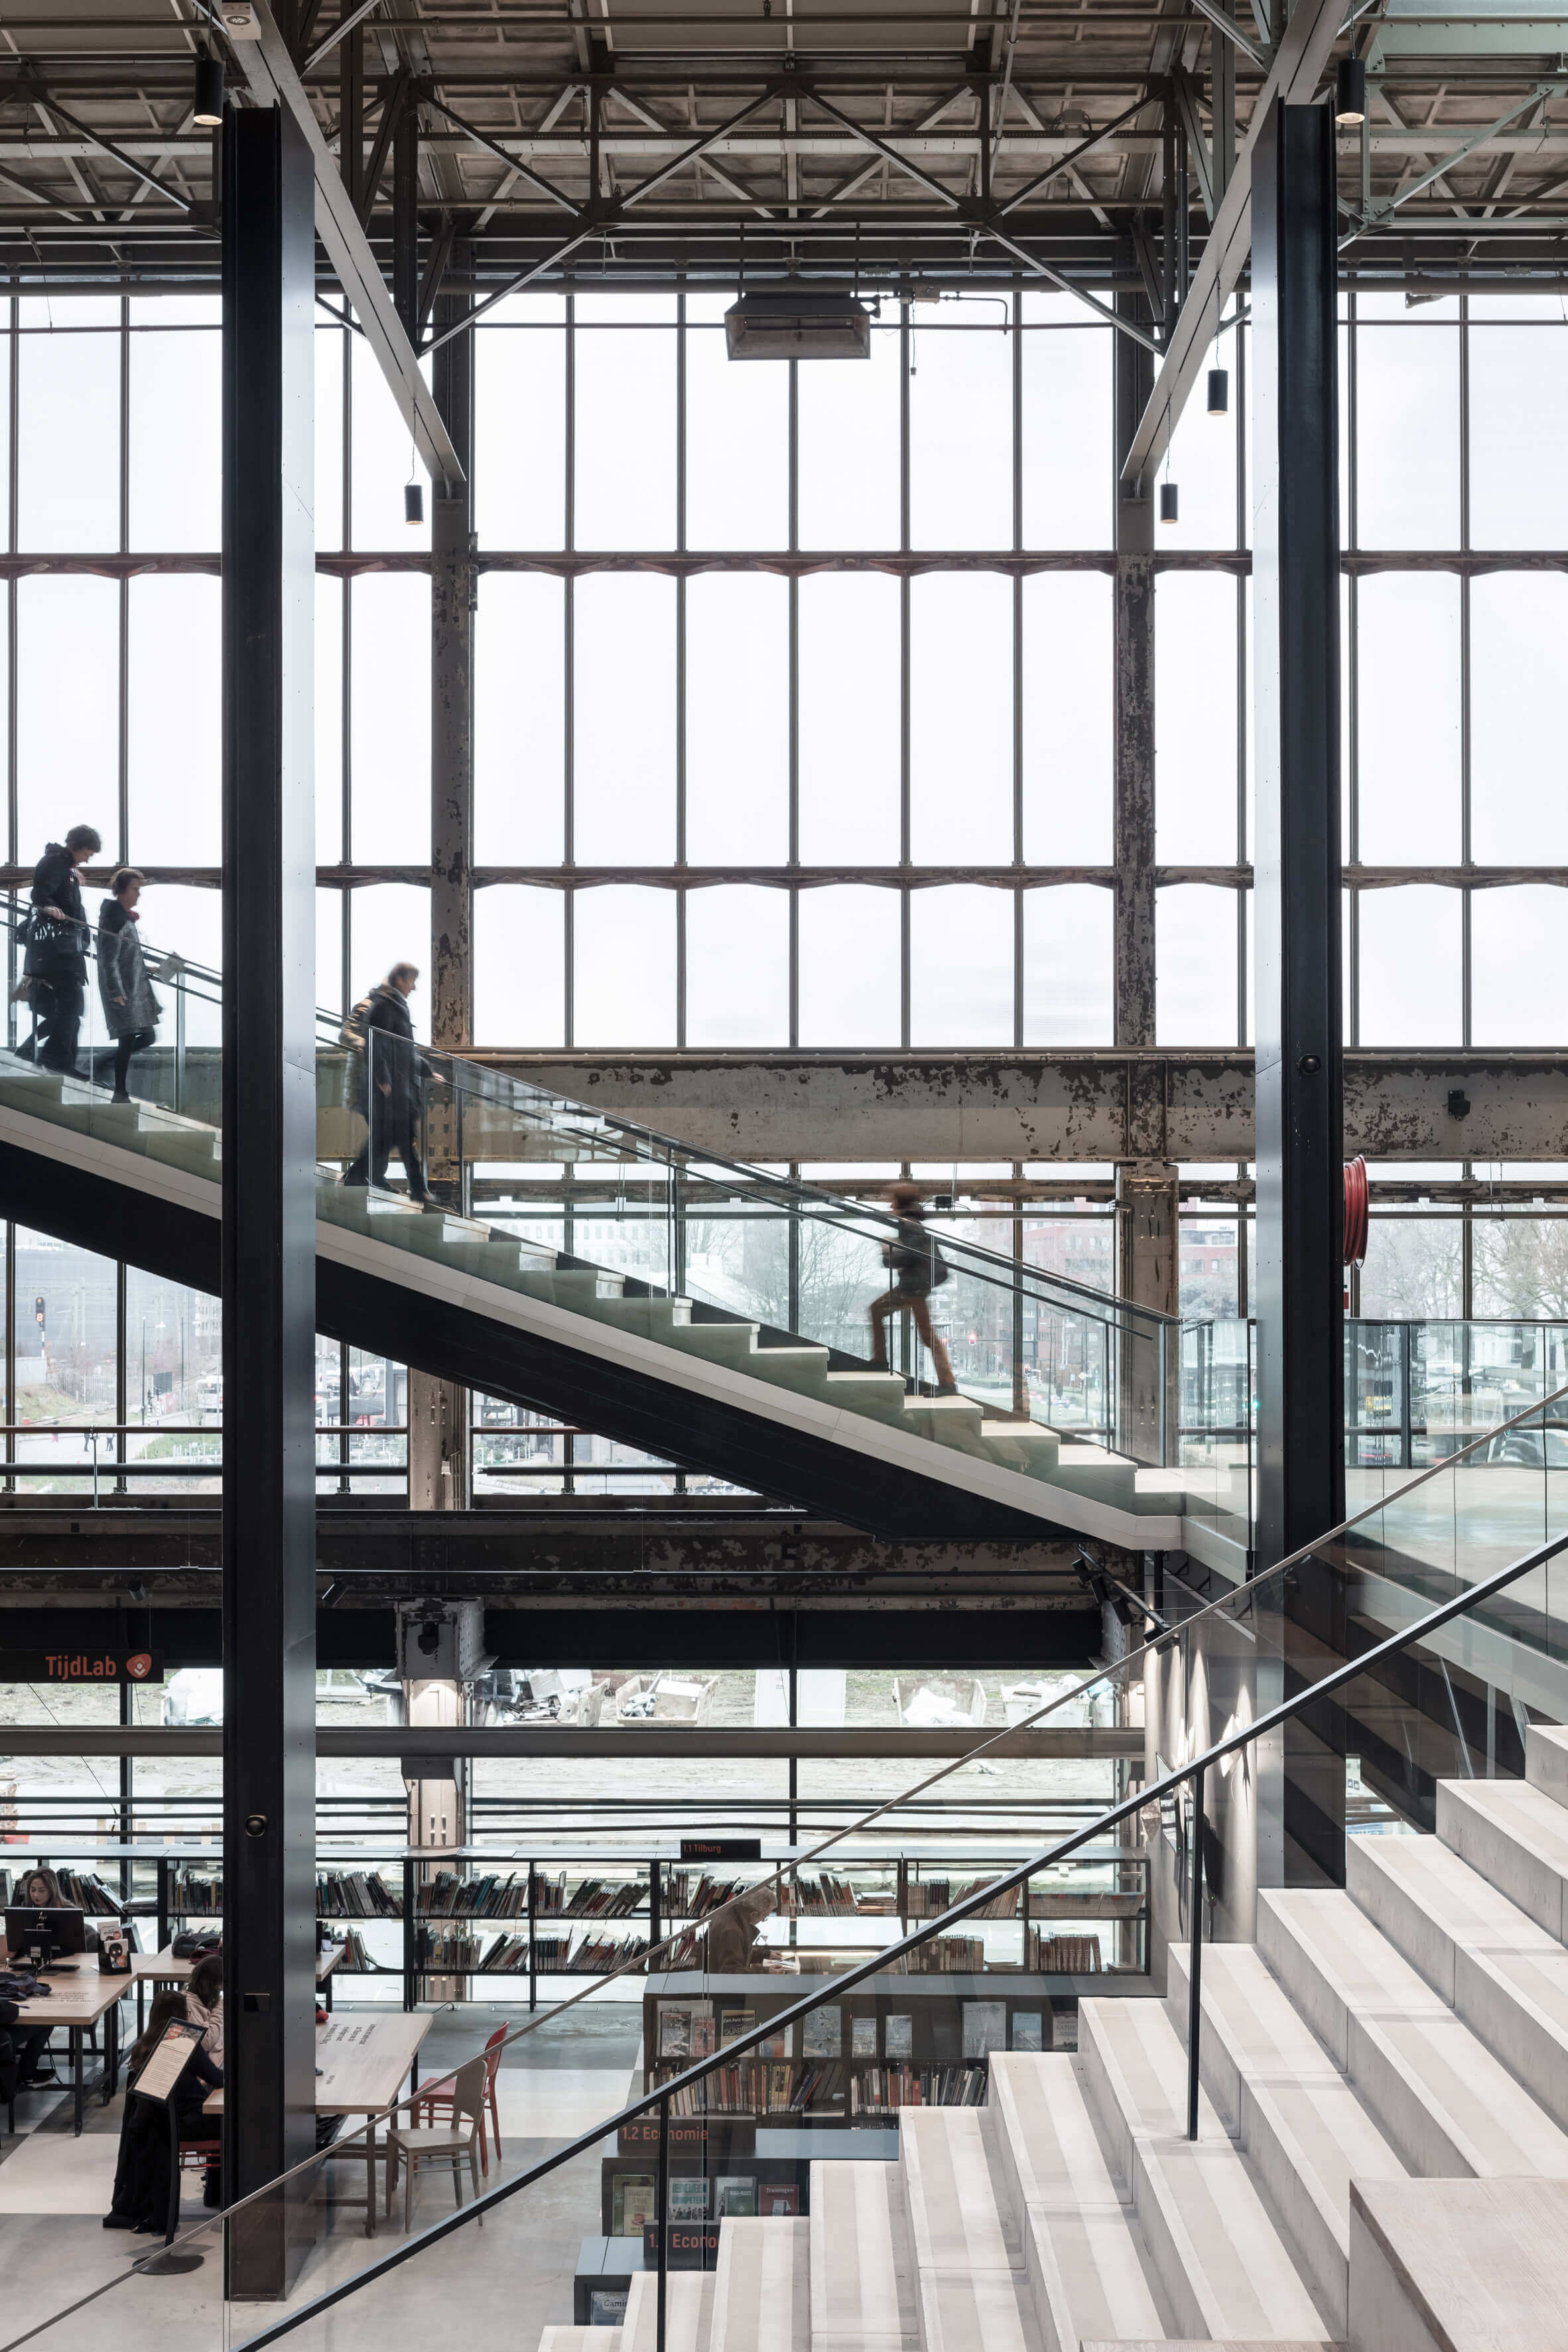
(917, 1266)
(130, 1011)
(57, 937)
(381, 1028)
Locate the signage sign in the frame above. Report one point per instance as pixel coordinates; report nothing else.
(81, 1666)
(688, 2245)
(720, 1849)
(168, 2062)
(689, 2135)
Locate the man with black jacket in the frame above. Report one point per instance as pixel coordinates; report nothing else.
(394, 1083)
(56, 947)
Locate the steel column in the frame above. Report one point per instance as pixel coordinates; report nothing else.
(1134, 693)
(269, 1200)
(1299, 1110)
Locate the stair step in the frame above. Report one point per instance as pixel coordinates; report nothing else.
(1305, 2132)
(1514, 1835)
(1221, 2264)
(1546, 1760)
(688, 2311)
(1081, 2250)
(1504, 1976)
(1458, 2265)
(862, 2277)
(973, 2295)
(580, 2339)
(1445, 2103)
(762, 2287)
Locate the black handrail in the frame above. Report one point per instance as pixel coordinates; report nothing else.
(1194, 1771)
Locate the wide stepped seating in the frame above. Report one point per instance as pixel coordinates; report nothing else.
(1409, 2036)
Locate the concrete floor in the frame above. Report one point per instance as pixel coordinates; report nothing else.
(512, 2275)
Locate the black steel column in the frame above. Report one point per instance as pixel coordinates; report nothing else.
(268, 1183)
(1300, 1276)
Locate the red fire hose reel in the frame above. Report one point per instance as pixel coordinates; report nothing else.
(1356, 1198)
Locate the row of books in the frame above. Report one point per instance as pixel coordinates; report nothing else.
(357, 1961)
(355, 1895)
(751, 2086)
(594, 1898)
(1068, 1955)
(875, 2090)
(447, 1896)
(928, 1898)
(945, 1956)
(685, 1893)
(823, 1896)
(89, 1893)
(197, 1895)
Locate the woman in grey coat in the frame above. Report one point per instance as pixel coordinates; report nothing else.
(130, 1007)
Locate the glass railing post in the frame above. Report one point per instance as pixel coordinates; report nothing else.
(661, 2234)
(1196, 1956)
(179, 1043)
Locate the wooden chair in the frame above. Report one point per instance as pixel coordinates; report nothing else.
(429, 2105)
(410, 2146)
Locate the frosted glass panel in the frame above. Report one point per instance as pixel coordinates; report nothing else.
(519, 967)
(520, 719)
(1068, 461)
(520, 423)
(961, 966)
(327, 342)
(1516, 964)
(849, 986)
(1068, 985)
(1410, 967)
(961, 428)
(848, 442)
(737, 719)
(1069, 717)
(1195, 966)
(389, 922)
(1518, 427)
(1408, 774)
(625, 486)
(1407, 413)
(328, 729)
(1519, 642)
(176, 459)
(960, 719)
(623, 967)
(1195, 622)
(67, 470)
(390, 719)
(848, 671)
(624, 720)
(383, 458)
(175, 719)
(68, 712)
(737, 967)
(737, 438)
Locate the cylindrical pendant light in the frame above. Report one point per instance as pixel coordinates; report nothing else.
(1168, 503)
(414, 502)
(1350, 91)
(1219, 391)
(206, 104)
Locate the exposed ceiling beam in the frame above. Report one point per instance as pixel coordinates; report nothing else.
(1293, 78)
(273, 81)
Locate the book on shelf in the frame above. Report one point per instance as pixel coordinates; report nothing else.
(357, 1960)
(597, 1956)
(506, 1957)
(751, 2086)
(548, 1893)
(448, 1949)
(445, 1896)
(928, 1898)
(880, 2090)
(686, 2029)
(1068, 1955)
(735, 2196)
(822, 2034)
(200, 1897)
(1028, 2029)
(690, 1895)
(687, 2197)
(899, 2037)
(634, 2203)
(777, 2199)
(355, 1895)
(945, 1956)
(606, 1899)
(985, 2027)
(89, 1893)
(862, 2037)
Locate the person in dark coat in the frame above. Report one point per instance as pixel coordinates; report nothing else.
(130, 1011)
(56, 947)
(142, 2198)
(393, 1084)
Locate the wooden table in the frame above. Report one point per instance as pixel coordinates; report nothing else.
(77, 2000)
(163, 1967)
(362, 2060)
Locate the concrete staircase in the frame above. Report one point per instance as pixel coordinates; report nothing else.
(1381, 2156)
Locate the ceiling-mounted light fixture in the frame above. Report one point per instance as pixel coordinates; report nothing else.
(1219, 391)
(1350, 91)
(207, 103)
(413, 503)
(800, 325)
(1169, 511)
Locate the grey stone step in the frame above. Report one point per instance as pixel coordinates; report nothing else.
(1514, 1835)
(1222, 2268)
(762, 2287)
(688, 2311)
(1504, 1976)
(1305, 2132)
(1546, 1760)
(1458, 2265)
(580, 2339)
(1083, 2257)
(1444, 2102)
(862, 2274)
(972, 2294)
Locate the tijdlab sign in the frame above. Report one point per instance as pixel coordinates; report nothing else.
(81, 1666)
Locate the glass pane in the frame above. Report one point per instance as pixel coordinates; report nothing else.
(1408, 418)
(960, 719)
(1203, 461)
(624, 738)
(176, 420)
(174, 1371)
(1068, 979)
(520, 719)
(849, 432)
(1516, 954)
(960, 427)
(737, 967)
(737, 438)
(68, 463)
(1415, 1266)
(1195, 617)
(175, 721)
(625, 486)
(390, 719)
(328, 346)
(519, 965)
(331, 993)
(1410, 967)
(1194, 965)
(1067, 459)
(961, 966)
(383, 458)
(1519, 425)
(1408, 743)
(1069, 669)
(1519, 635)
(329, 720)
(849, 692)
(623, 967)
(67, 710)
(520, 423)
(851, 987)
(389, 922)
(737, 715)
(63, 1322)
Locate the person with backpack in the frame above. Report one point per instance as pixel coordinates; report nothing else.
(390, 1080)
(56, 941)
(917, 1266)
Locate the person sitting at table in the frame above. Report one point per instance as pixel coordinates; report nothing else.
(20, 2047)
(40, 1891)
(204, 2003)
(140, 2200)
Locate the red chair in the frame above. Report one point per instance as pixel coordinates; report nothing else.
(427, 2103)
(200, 2155)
